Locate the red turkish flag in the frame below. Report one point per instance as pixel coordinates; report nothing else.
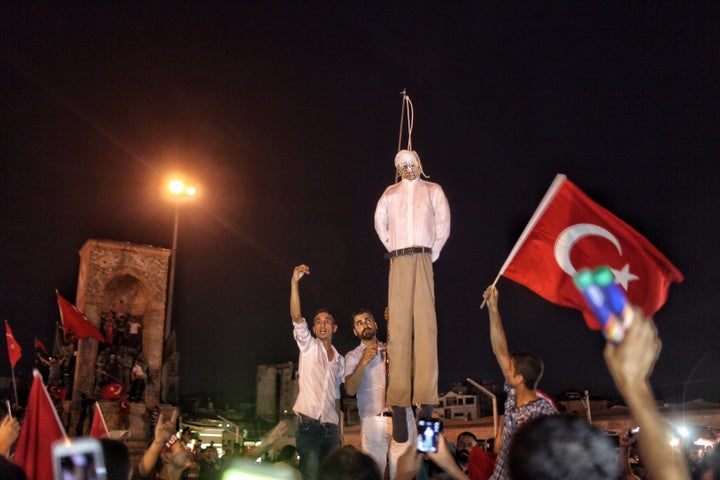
(112, 390)
(39, 346)
(40, 428)
(74, 321)
(99, 427)
(568, 232)
(14, 350)
(124, 406)
(57, 392)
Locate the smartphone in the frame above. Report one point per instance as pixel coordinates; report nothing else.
(78, 459)
(428, 430)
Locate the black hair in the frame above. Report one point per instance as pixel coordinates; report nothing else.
(287, 452)
(348, 463)
(11, 471)
(467, 434)
(324, 310)
(530, 366)
(360, 311)
(117, 459)
(557, 447)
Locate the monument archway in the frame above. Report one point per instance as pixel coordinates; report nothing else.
(120, 283)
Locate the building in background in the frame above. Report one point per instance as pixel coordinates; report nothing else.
(458, 405)
(276, 391)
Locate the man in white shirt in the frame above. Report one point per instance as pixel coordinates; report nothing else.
(412, 219)
(320, 372)
(366, 374)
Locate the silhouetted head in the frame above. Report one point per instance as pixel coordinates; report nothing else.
(348, 463)
(558, 447)
(117, 459)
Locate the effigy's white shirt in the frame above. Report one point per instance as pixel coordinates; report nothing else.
(371, 394)
(319, 378)
(413, 213)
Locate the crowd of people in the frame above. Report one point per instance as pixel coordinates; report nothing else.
(412, 220)
(396, 388)
(535, 441)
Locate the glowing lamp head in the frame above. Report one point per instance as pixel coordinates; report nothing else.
(180, 189)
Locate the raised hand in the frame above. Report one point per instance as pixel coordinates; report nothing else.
(9, 432)
(632, 361)
(490, 296)
(299, 272)
(165, 430)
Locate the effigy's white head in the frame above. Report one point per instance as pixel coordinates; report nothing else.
(407, 164)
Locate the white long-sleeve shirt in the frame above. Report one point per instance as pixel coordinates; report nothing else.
(413, 213)
(319, 378)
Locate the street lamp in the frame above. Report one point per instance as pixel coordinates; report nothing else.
(494, 402)
(179, 191)
(235, 426)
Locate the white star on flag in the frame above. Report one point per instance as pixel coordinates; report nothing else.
(624, 276)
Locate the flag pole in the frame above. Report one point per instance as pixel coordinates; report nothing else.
(12, 367)
(549, 195)
(12, 370)
(57, 344)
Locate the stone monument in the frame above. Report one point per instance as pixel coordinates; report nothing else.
(118, 281)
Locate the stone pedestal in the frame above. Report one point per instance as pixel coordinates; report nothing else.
(122, 279)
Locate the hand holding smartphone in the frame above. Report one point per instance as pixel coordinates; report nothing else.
(428, 434)
(78, 459)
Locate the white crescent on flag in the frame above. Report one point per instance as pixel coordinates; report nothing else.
(571, 235)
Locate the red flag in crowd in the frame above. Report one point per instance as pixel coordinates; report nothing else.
(112, 390)
(57, 392)
(99, 427)
(124, 405)
(568, 232)
(14, 350)
(40, 429)
(39, 346)
(74, 321)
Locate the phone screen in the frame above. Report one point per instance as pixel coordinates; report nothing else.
(428, 434)
(79, 466)
(80, 459)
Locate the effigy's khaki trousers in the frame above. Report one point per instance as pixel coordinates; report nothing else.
(412, 332)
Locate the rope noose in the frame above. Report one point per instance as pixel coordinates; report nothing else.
(407, 113)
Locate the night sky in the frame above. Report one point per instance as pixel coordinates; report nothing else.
(286, 114)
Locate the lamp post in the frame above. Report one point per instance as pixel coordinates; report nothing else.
(235, 426)
(494, 403)
(179, 190)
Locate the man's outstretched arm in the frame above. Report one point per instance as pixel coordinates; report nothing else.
(630, 364)
(298, 273)
(497, 333)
